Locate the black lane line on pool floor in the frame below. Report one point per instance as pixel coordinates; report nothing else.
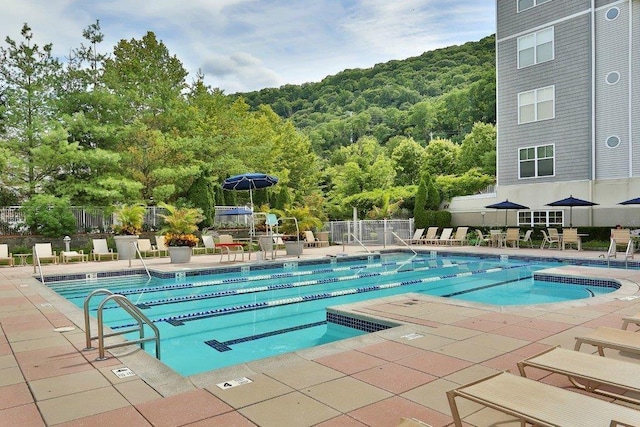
(485, 287)
(224, 346)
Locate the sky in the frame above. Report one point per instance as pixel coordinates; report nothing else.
(246, 45)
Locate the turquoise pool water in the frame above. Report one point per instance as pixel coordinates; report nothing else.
(208, 322)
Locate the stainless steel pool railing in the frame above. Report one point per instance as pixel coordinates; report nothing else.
(133, 311)
(404, 243)
(353, 236)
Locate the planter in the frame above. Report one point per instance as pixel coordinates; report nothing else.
(323, 236)
(180, 254)
(293, 248)
(123, 246)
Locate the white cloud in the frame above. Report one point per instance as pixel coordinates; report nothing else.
(250, 44)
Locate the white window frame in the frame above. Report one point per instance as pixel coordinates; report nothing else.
(535, 36)
(535, 3)
(536, 101)
(536, 160)
(536, 215)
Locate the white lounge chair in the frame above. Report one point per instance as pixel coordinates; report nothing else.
(101, 250)
(481, 239)
(417, 235)
(5, 255)
(539, 403)
(547, 239)
(67, 256)
(460, 237)
(146, 248)
(527, 238)
(445, 236)
(163, 250)
(430, 236)
(226, 245)
(43, 252)
(209, 245)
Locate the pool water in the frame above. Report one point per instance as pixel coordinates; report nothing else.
(209, 322)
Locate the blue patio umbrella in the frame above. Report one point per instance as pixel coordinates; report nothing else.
(506, 205)
(250, 182)
(571, 202)
(635, 201)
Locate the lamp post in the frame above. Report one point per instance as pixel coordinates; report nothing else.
(67, 241)
(483, 213)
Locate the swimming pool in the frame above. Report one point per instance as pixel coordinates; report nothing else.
(211, 321)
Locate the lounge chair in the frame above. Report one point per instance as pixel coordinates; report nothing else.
(66, 256)
(547, 239)
(445, 236)
(570, 236)
(460, 238)
(5, 255)
(417, 235)
(592, 372)
(481, 239)
(310, 240)
(226, 245)
(209, 245)
(513, 237)
(621, 237)
(527, 239)
(146, 248)
(43, 252)
(163, 250)
(101, 250)
(430, 236)
(539, 403)
(605, 337)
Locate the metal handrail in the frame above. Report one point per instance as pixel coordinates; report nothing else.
(36, 257)
(405, 243)
(137, 250)
(133, 311)
(357, 240)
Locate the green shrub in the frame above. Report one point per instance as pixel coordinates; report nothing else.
(49, 216)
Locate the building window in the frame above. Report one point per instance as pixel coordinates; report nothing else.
(540, 218)
(535, 48)
(528, 4)
(612, 77)
(612, 13)
(613, 141)
(536, 105)
(536, 161)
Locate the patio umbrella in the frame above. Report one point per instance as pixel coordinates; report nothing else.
(635, 201)
(571, 202)
(249, 181)
(506, 205)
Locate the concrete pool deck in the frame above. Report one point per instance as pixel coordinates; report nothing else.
(372, 380)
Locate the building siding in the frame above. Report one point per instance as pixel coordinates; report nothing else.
(635, 91)
(510, 22)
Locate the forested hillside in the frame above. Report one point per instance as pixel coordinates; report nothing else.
(123, 124)
(439, 94)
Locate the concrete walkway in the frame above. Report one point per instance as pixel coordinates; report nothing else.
(371, 380)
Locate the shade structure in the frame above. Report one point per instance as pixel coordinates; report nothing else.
(506, 205)
(236, 211)
(635, 201)
(250, 182)
(571, 202)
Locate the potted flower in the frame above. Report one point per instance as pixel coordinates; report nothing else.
(293, 223)
(180, 225)
(127, 226)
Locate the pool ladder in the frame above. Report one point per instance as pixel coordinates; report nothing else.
(133, 311)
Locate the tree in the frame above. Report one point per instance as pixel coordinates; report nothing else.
(441, 157)
(419, 210)
(49, 216)
(34, 140)
(407, 158)
(478, 149)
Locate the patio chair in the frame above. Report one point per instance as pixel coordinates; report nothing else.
(226, 245)
(43, 252)
(570, 236)
(101, 250)
(513, 237)
(460, 238)
(539, 403)
(161, 246)
(445, 236)
(621, 238)
(209, 246)
(417, 235)
(66, 256)
(589, 372)
(430, 236)
(146, 248)
(310, 240)
(546, 239)
(554, 235)
(5, 255)
(605, 337)
(527, 238)
(481, 239)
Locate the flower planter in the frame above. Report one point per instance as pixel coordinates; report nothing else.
(293, 248)
(123, 246)
(180, 254)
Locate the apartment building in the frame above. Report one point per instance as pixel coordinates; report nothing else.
(568, 112)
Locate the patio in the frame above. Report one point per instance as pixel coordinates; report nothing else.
(372, 380)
